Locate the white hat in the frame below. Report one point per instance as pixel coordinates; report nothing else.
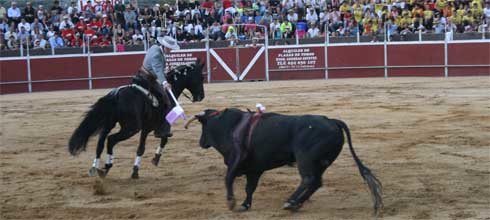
(168, 42)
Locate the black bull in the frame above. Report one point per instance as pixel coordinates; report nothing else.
(274, 140)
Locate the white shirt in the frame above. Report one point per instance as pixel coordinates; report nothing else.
(312, 17)
(313, 32)
(64, 23)
(13, 13)
(293, 18)
(486, 12)
(275, 26)
(137, 36)
(26, 26)
(188, 28)
(197, 29)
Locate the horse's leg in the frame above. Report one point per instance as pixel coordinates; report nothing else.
(100, 148)
(158, 153)
(127, 131)
(110, 154)
(139, 154)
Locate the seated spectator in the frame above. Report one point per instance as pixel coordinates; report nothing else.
(73, 9)
(56, 8)
(12, 43)
(37, 24)
(3, 12)
(130, 18)
(77, 40)
(120, 46)
(106, 25)
(137, 38)
(4, 26)
(40, 42)
(275, 28)
(24, 24)
(68, 34)
(105, 41)
(95, 25)
(231, 32)
(287, 29)
(314, 31)
(56, 41)
(3, 43)
(29, 13)
(13, 13)
(81, 25)
(41, 13)
(66, 22)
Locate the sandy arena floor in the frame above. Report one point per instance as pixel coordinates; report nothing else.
(427, 139)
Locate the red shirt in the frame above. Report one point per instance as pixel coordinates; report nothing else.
(227, 4)
(95, 25)
(106, 23)
(81, 26)
(208, 5)
(76, 42)
(68, 34)
(89, 33)
(104, 42)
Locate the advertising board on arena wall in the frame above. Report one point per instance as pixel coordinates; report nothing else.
(296, 62)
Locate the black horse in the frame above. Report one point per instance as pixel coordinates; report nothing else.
(135, 109)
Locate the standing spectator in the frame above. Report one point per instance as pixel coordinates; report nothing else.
(130, 18)
(29, 13)
(66, 22)
(14, 14)
(56, 7)
(3, 12)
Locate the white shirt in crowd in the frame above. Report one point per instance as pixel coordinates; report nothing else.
(13, 12)
(275, 26)
(311, 17)
(26, 26)
(313, 32)
(64, 23)
(198, 29)
(293, 18)
(486, 12)
(137, 36)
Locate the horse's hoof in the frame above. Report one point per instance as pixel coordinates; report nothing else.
(243, 208)
(156, 160)
(101, 173)
(92, 171)
(135, 175)
(231, 204)
(291, 206)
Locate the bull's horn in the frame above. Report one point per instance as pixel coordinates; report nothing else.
(189, 122)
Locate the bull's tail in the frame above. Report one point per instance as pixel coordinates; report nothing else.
(95, 119)
(373, 183)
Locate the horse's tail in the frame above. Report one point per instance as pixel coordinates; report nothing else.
(98, 115)
(373, 183)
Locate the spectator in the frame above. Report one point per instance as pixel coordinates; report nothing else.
(56, 8)
(40, 42)
(24, 24)
(56, 41)
(14, 14)
(73, 9)
(314, 31)
(138, 38)
(29, 13)
(24, 36)
(12, 43)
(41, 13)
(130, 18)
(37, 24)
(77, 41)
(275, 28)
(120, 46)
(67, 34)
(95, 25)
(81, 25)
(66, 22)
(11, 33)
(106, 25)
(4, 26)
(486, 13)
(3, 12)
(89, 10)
(286, 29)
